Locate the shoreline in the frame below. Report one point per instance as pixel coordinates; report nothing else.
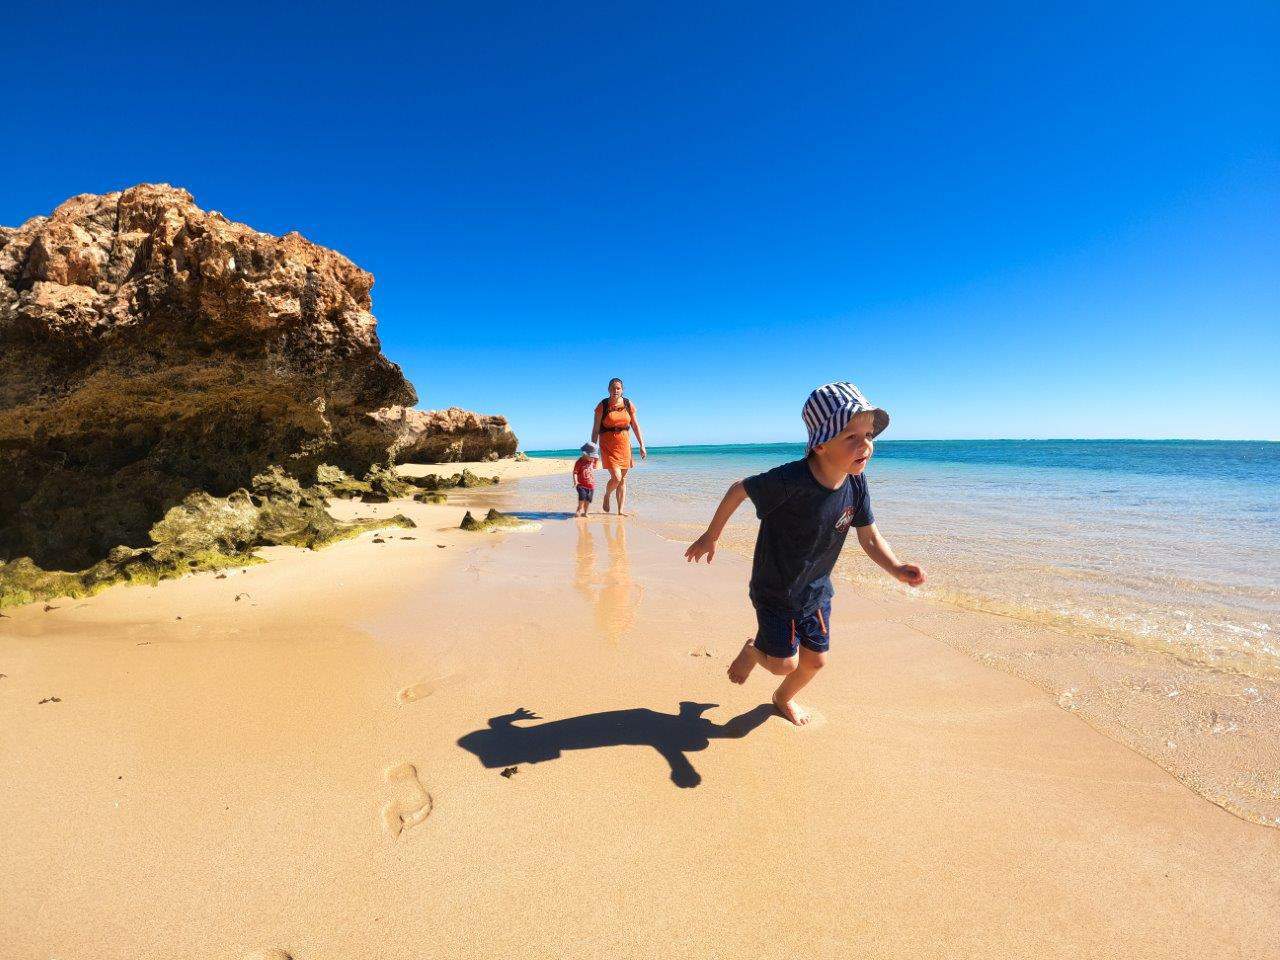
(1181, 713)
(317, 767)
(1146, 568)
(1208, 722)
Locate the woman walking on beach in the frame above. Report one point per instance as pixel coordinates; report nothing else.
(615, 417)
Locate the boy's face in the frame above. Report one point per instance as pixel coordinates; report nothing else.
(851, 448)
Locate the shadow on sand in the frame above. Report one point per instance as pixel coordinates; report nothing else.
(503, 744)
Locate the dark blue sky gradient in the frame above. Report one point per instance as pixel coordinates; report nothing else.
(1001, 221)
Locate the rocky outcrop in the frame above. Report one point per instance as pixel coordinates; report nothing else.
(446, 436)
(493, 521)
(383, 485)
(202, 532)
(150, 349)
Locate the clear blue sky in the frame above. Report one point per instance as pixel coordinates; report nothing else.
(1013, 220)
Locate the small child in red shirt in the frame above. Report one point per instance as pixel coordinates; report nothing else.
(584, 480)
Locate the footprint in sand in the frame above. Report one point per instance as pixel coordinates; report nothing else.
(400, 814)
(418, 691)
(274, 954)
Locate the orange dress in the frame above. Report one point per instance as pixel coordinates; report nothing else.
(615, 438)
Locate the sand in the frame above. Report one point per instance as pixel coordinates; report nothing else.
(318, 767)
(507, 468)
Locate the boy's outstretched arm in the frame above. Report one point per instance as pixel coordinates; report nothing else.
(878, 549)
(705, 545)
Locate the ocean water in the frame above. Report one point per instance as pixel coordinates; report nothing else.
(1169, 546)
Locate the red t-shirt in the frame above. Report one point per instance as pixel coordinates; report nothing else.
(584, 473)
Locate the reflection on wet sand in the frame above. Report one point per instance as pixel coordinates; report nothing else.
(615, 595)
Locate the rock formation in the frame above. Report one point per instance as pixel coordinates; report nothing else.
(493, 521)
(150, 349)
(202, 532)
(447, 436)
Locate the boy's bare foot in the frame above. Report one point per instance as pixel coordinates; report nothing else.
(792, 711)
(743, 663)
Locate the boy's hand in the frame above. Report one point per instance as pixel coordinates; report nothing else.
(704, 546)
(909, 574)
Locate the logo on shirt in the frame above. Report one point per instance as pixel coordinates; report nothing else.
(846, 518)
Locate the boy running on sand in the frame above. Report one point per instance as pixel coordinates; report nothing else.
(584, 480)
(806, 508)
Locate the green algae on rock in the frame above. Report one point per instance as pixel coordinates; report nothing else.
(469, 479)
(335, 482)
(464, 480)
(382, 485)
(203, 532)
(385, 485)
(21, 581)
(493, 521)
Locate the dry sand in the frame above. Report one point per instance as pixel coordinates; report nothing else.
(505, 469)
(318, 765)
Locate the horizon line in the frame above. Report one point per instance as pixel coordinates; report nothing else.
(787, 443)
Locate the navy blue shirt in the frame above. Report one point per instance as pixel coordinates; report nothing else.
(802, 529)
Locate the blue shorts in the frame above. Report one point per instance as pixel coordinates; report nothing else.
(781, 635)
(585, 494)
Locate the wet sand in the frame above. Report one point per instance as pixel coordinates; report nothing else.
(318, 766)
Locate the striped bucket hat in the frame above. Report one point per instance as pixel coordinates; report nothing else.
(830, 408)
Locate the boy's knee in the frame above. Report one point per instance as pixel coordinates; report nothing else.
(780, 666)
(813, 661)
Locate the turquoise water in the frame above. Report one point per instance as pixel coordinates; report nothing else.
(1172, 544)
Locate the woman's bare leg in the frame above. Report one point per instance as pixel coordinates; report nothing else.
(622, 490)
(614, 480)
